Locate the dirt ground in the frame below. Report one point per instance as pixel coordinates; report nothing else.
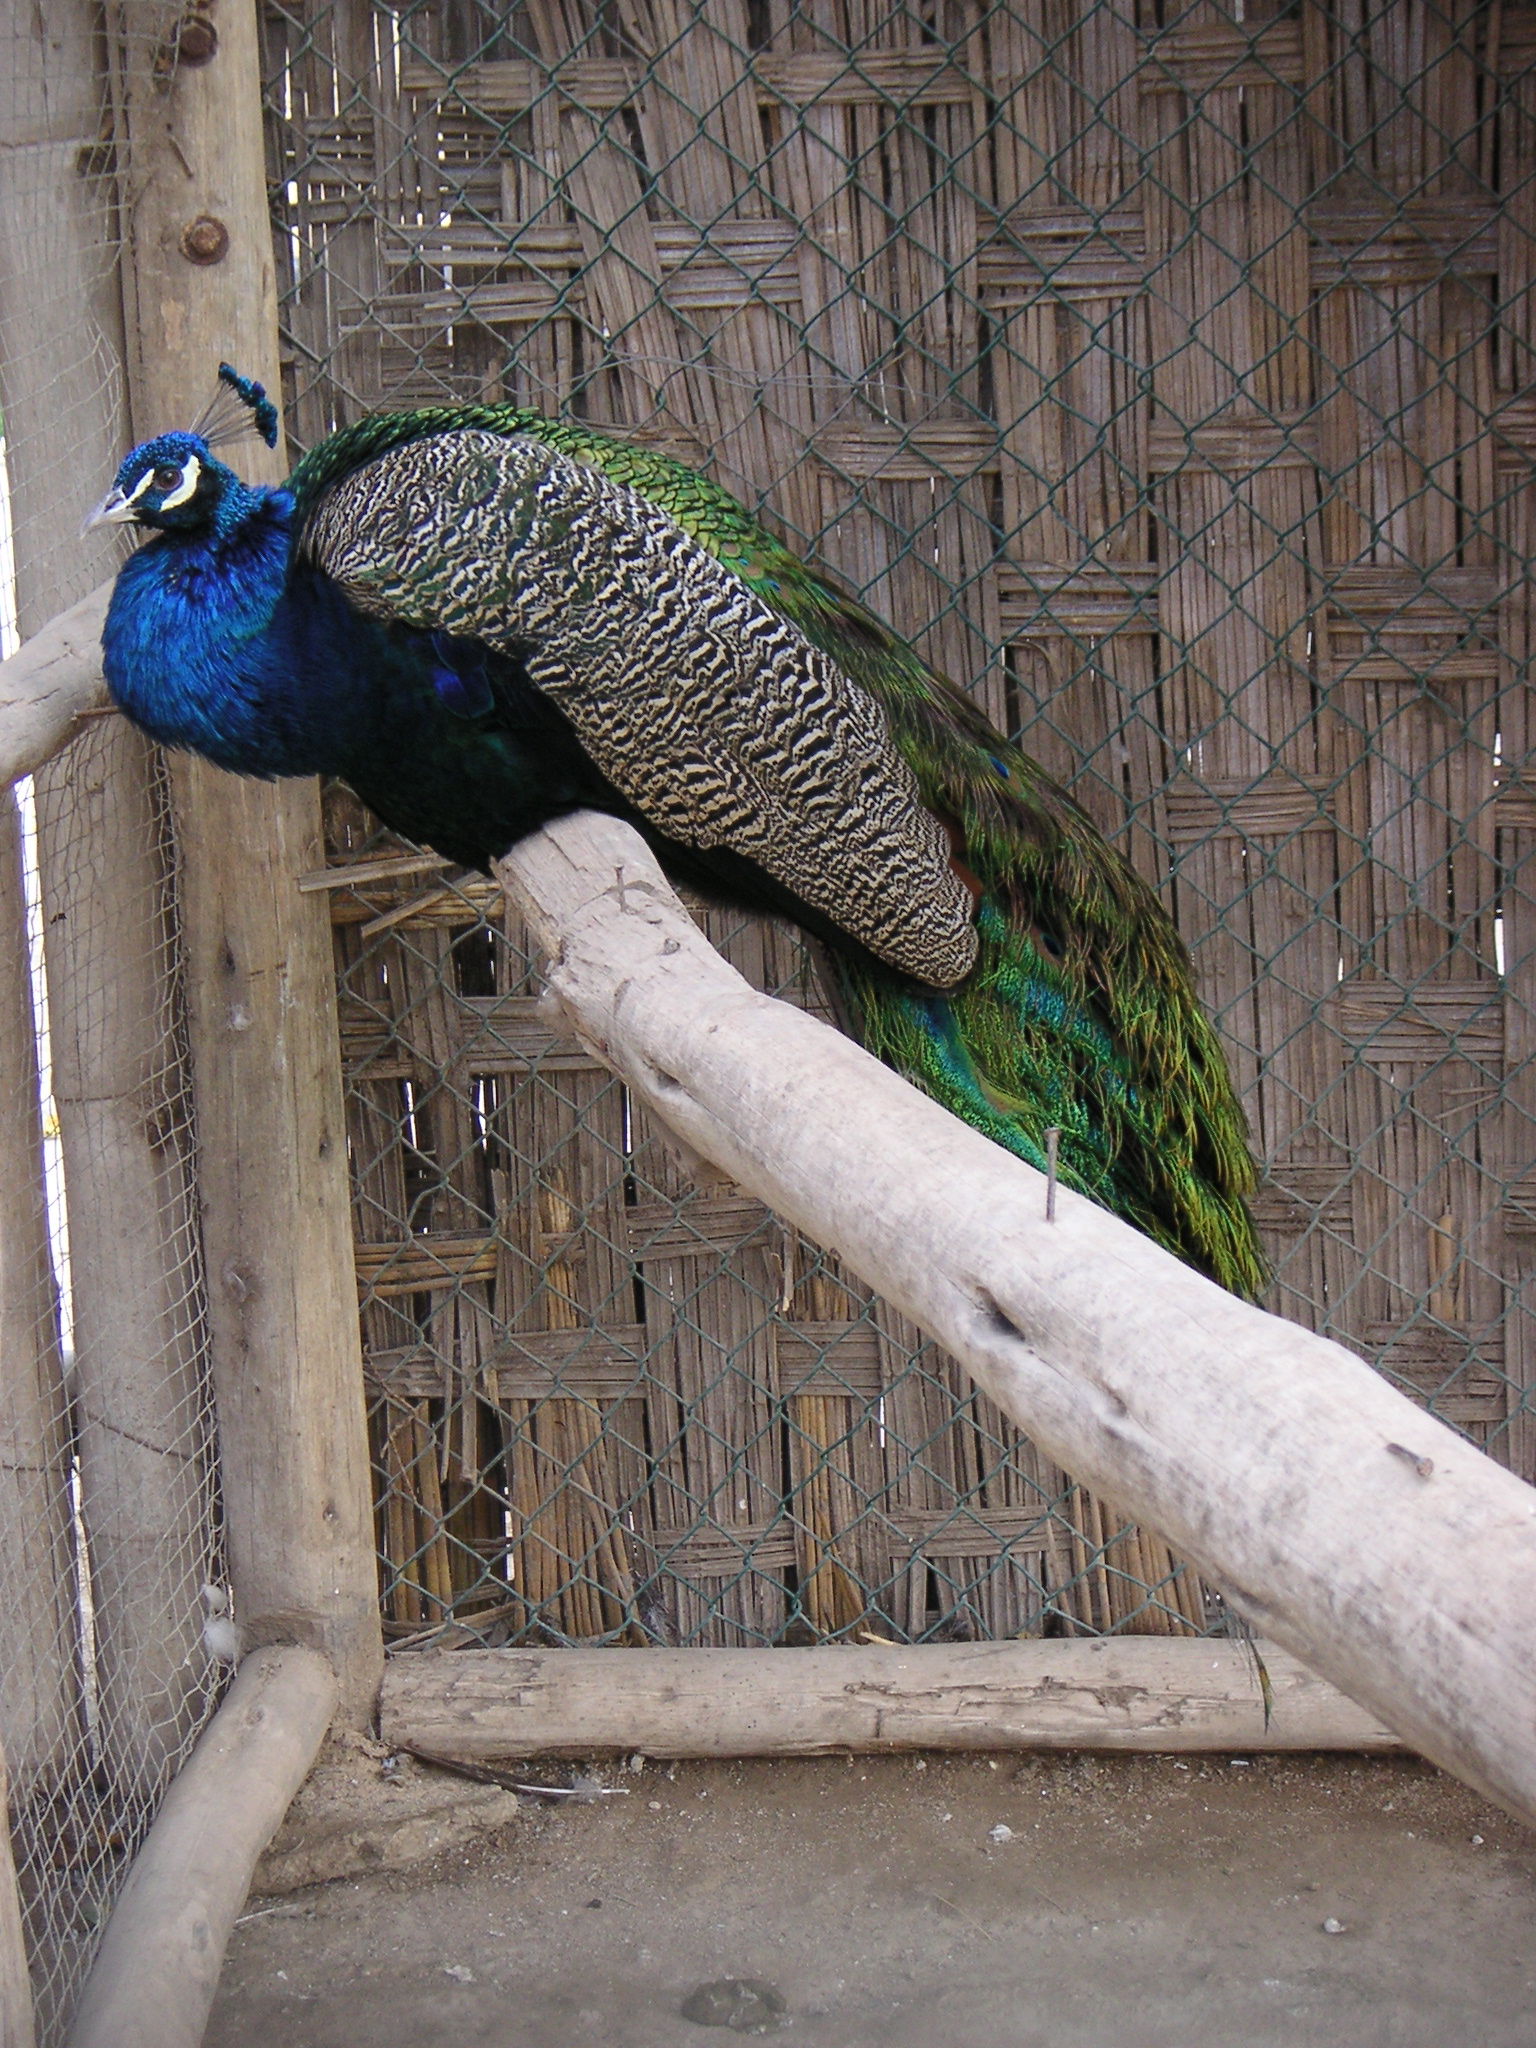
(1140, 1901)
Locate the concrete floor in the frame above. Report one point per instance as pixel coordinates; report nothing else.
(1140, 1901)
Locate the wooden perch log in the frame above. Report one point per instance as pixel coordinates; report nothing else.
(154, 1978)
(48, 683)
(1345, 1522)
(1120, 1692)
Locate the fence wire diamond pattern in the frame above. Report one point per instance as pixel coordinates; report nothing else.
(1166, 374)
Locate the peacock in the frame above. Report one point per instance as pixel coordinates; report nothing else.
(482, 619)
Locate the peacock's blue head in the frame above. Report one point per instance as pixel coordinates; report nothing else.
(172, 483)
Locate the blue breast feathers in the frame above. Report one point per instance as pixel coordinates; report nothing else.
(188, 647)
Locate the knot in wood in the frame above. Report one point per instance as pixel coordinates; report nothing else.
(205, 240)
(196, 40)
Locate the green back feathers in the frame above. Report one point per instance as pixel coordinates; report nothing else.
(1081, 1012)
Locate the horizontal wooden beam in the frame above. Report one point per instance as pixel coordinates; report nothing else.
(155, 1975)
(601, 84)
(1119, 1692)
(48, 683)
(1344, 1522)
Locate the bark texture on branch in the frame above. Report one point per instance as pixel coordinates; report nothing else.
(47, 683)
(1120, 1692)
(155, 1975)
(1347, 1524)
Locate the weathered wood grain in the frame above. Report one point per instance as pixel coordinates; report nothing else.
(1125, 1693)
(47, 683)
(156, 1972)
(39, 1693)
(261, 993)
(105, 873)
(1357, 1531)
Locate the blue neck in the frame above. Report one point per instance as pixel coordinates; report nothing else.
(197, 644)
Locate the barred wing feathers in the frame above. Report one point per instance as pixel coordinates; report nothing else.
(703, 705)
(1080, 1010)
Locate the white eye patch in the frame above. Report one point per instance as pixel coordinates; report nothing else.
(192, 471)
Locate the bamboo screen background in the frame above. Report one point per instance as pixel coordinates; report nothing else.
(1166, 375)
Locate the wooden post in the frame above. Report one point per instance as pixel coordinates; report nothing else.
(120, 1091)
(155, 1975)
(15, 1984)
(1348, 1524)
(38, 1690)
(41, 131)
(272, 1173)
(103, 862)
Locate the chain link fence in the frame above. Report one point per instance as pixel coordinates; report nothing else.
(109, 1523)
(1163, 373)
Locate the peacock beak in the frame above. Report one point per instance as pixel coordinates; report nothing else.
(114, 510)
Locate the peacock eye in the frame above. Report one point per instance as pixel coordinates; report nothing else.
(166, 477)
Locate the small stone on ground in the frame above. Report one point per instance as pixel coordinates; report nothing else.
(744, 2004)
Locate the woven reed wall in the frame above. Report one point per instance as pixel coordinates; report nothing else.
(1164, 374)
